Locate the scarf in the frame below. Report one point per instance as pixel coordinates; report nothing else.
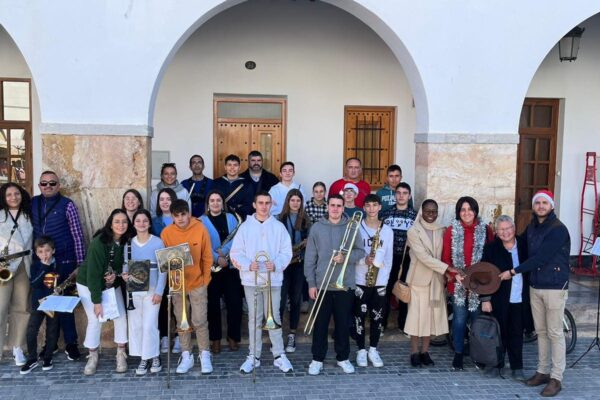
(458, 260)
(177, 187)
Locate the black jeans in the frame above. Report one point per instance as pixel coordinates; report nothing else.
(33, 328)
(369, 300)
(338, 303)
(225, 283)
(293, 281)
(163, 318)
(402, 307)
(511, 328)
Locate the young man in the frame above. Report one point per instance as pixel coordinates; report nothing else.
(237, 190)
(353, 172)
(387, 193)
(400, 218)
(197, 185)
(280, 191)
(260, 179)
(186, 229)
(326, 235)
(350, 193)
(370, 290)
(262, 233)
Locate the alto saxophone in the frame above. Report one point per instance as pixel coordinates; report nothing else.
(60, 289)
(297, 250)
(373, 270)
(5, 273)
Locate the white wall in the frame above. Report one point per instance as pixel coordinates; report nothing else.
(578, 85)
(320, 57)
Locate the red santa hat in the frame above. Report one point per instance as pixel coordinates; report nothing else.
(546, 194)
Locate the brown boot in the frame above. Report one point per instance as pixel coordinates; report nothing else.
(538, 379)
(215, 346)
(552, 388)
(233, 345)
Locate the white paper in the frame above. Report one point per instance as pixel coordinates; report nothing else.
(596, 248)
(59, 304)
(109, 305)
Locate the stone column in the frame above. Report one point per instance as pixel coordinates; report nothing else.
(483, 166)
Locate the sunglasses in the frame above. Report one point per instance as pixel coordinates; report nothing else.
(46, 183)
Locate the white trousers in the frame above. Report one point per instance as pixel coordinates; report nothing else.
(144, 338)
(94, 326)
(255, 332)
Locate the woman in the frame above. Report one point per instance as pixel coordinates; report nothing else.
(427, 314)
(163, 210)
(316, 207)
(132, 201)
(16, 234)
(226, 282)
(463, 245)
(297, 223)
(144, 337)
(99, 271)
(168, 179)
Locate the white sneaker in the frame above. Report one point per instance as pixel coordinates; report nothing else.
(186, 362)
(156, 365)
(164, 345)
(291, 343)
(361, 358)
(20, 358)
(374, 358)
(248, 365)
(283, 363)
(177, 346)
(315, 367)
(142, 369)
(346, 366)
(205, 362)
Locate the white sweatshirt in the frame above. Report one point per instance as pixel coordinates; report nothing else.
(385, 252)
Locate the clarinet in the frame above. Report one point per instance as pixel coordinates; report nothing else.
(130, 305)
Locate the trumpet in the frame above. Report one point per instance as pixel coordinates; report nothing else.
(345, 248)
(269, 323)
(216, 267)
(373, 270)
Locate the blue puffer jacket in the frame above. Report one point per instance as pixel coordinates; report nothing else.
(548, 247)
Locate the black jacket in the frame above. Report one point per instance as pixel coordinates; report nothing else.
(241, 202)
(265, 183)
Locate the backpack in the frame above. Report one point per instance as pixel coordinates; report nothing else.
(485, 340)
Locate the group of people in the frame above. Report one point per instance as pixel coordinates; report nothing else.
(256, 236)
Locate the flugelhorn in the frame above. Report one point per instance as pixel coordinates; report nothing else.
(269, 323)
(345, 248)
(177, 285)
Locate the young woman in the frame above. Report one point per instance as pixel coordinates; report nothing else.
(463, 246)
(297, 223)
(316, 207)
(168, 179)
(226, 282)
(132, 201)
(99, 271)
(144, 337)
(16, 234)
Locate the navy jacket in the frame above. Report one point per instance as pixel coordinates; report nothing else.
(198, 196)
(265, 183)
(241, 203)
(548, 249)
(38, 289)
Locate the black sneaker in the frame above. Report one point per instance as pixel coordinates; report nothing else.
(291, 343)
(457, 363)
(42, 353)
(415, 360)
(29, 366)
(47, 366)
(72, 352)
(426, 359)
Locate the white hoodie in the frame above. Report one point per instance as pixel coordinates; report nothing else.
(253, 237)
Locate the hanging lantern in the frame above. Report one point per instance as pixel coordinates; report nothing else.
(568, 46)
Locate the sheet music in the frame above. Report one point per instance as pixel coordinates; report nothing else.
(109, 305)
(596, 248)
(59, 304)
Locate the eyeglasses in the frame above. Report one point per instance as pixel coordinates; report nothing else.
(46, 183)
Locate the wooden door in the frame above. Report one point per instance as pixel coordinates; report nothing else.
(536, 161)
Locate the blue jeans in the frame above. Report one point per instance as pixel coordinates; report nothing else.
(460, 316)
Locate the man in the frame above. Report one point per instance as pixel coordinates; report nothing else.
(186, 229)
(400, 218)
(237, 190)
(387, 193)
(260, 179)
(353, 172)
(56, 216)
(548, 249)
(326, 235)
(372, 273)
(197, 185)
(262, 234)
(349, 194)
(280, 190)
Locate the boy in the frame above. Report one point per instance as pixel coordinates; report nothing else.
(44, 278)
(186, 229)
(280, 191)
(236, 189)
(387, 193)
(350, 194)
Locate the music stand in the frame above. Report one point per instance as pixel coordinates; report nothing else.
(595, 251)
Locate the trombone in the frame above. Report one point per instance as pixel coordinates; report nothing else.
(176, 276)
(345, 249)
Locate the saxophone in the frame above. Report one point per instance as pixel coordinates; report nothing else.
(373, 270)
(60, 289)
(297, 251)
(216, 267)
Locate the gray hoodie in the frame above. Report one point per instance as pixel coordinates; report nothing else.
(324, 237)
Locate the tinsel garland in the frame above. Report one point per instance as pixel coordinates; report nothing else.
(458, 259)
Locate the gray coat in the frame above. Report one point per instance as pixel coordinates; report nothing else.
(324, 237)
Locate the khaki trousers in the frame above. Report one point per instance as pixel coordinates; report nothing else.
(197, 299)
(548, 308)
(14, 308)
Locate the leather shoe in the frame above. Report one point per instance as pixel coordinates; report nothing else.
(233, 345)
(415, 360)
(538, 379)
(552, 388)
(215, 346)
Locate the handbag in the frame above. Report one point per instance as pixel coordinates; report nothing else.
(401, 289)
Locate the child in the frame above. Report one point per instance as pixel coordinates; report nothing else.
(44, 278)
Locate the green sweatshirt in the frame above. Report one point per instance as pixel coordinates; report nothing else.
(91, 272)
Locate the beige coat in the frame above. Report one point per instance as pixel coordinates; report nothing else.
(424, 255)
